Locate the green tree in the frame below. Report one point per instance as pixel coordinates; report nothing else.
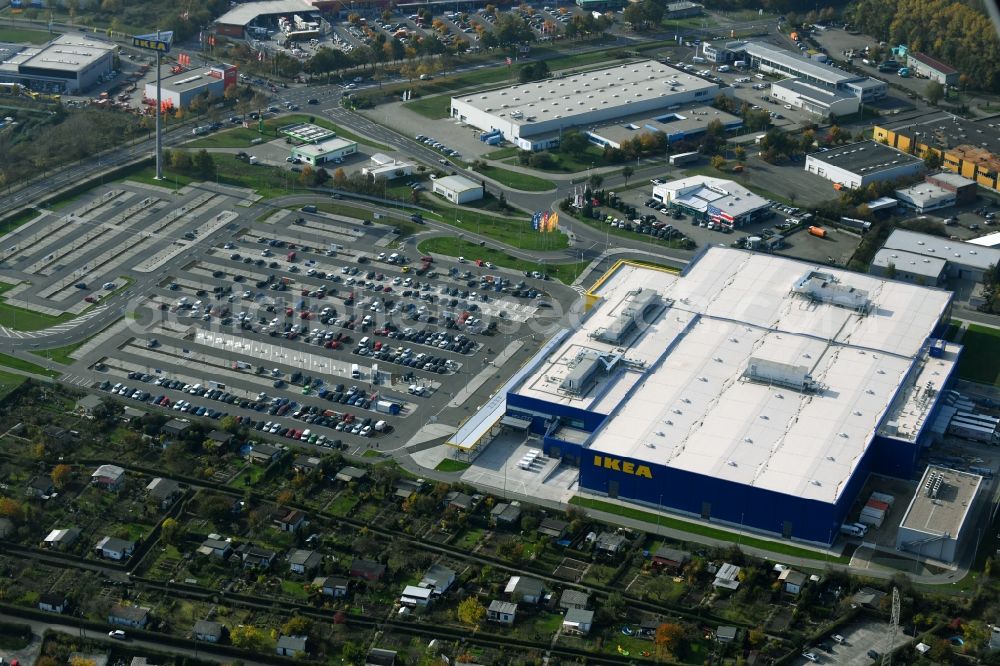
(471, 612)
(61, 476)
(595, 181)
(627, 172)
(249, 637)
(718, 162)
(170, 532)
(573, 142)
(297, 625)
(204, 164)
(181, 161)
(934, 92)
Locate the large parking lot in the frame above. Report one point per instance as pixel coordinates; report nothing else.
(863, 644)
(313, 326)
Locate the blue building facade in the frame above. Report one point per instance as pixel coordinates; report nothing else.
(710, 498)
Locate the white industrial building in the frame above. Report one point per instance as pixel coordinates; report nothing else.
(806, 77)
(721, 201)
(533, 115)
(909, 267)
(675, 125)
(383, 166)
(458, 189)
(936, 521)
(859, 164)
(989, 240)
(815, 99)
(179, 90)
(71, 63)
(925, 197)
(751, 389)
(934, 69)
(965, 261)
(331, 150)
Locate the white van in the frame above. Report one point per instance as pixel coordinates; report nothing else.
(355, 372)
(379, 426)
(363, 341)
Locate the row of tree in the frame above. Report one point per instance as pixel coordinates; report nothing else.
(957, 33)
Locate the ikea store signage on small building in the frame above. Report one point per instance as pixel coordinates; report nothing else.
(622, 466)
(159, 41)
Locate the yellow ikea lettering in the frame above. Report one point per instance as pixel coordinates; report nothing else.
(623, 466)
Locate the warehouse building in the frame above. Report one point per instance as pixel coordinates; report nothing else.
(935, 70)
(773, 60)
(331, 150)
(967, 148)
(676, 125)
(181, 89)
(682, 9)
(965, 261)
(925, 197)
(533, 115)
(937, 520)
(71, 64)
(716, 200)
(859, 164)
(817, 100)
(750, 390)
(458, 189)
(243, 17)
(909, 267)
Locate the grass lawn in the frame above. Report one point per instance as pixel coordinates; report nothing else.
(435, 108)
(705, 530)
(294, 589)
(501, 153)
(470, 538)
(240, 137)
(516, 179)
(252, 472)
(452, 465)
(342, 505)
(23, 319)
(21, 35)
(980, 361)
(371, 453)
(268, 181)
(22, 217)
(60, 354)
(456, 247)
(515, 232)
(9, 381)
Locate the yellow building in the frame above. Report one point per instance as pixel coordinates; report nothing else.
(970, 149)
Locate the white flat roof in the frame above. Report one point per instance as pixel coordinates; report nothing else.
(922, 194)
(813, 93)
(68, 53)
(318, 149)
(457, 184)
(956, 252)
(702, 192)
(804, 66)
(248, 11)
(989, 240)
(911, 263)
(572, 95)
(943, 512)
(695, 411)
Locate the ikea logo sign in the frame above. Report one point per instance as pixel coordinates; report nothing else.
(623, 466)
(149, 44)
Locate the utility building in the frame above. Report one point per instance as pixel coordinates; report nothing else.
(936, 522)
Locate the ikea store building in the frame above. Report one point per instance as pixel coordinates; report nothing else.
(750, 389)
